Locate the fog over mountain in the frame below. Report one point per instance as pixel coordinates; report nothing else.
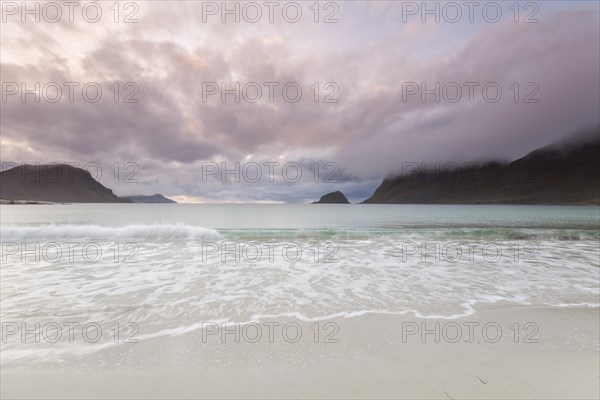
(566, 172)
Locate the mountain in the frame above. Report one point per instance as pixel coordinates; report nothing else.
(59, 183)
(567, 172)
(333, 198)
(155, 198)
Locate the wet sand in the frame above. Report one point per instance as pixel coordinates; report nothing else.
(372, 359)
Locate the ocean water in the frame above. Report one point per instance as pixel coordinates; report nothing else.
(169, 268)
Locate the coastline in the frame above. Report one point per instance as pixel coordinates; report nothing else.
(371, 359)
(28, 202)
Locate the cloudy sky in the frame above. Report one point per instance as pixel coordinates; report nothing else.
(341, 92)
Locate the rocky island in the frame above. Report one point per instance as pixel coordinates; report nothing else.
(333, 198)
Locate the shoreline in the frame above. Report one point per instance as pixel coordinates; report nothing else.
(29, 202)
(375, 356)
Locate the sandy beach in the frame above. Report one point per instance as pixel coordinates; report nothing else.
(376, 356)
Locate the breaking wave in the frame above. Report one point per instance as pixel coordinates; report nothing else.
(163, 232)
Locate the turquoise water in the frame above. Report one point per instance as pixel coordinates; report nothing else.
(304, 216)
(171, 267)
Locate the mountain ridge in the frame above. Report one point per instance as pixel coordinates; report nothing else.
(56, 183)
(565, 172)
(153, 198)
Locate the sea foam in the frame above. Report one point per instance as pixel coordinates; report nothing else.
(143, 232)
